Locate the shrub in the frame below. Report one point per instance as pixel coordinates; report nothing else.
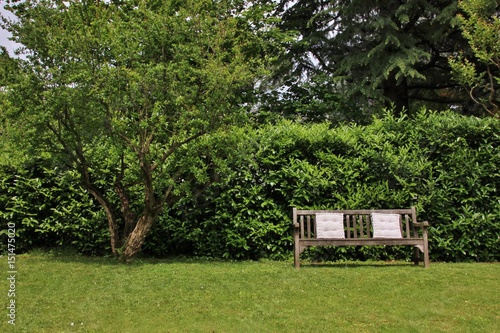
(247, 180)
(445, 160)
(49, 209)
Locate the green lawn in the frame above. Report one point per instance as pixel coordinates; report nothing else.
(78, 294)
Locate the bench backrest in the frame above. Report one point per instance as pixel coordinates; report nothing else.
(356, 223)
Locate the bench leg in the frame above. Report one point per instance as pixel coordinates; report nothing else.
(426, 249)
(296, 255)
(416, 255)
(426, 255)
(297, 262)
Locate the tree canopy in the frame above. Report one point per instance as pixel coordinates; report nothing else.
(391, 53)
(115, 89)
(480, 74)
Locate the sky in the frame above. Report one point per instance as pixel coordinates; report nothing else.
(4, 35)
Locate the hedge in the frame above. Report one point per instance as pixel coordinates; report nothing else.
(444, 163)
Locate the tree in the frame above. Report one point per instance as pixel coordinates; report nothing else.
(10, 131)
(480, 25)
(385, 52)
(116, 90)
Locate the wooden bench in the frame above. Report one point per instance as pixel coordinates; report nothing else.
(359, 228)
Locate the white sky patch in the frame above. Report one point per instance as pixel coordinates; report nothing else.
(5, 35)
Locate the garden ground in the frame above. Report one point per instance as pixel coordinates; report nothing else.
(70, 293)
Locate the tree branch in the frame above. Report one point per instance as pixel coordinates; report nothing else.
(174, 147)
(491, 98)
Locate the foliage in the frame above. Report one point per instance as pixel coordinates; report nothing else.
(317, 99)
(447, 163)
(115, 89)
(250, 178)
(480, 25)
(373, 53)
(49, 209)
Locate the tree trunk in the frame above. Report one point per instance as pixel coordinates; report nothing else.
(112, 225)
(129, 218)
(137, 237)
(396, 95)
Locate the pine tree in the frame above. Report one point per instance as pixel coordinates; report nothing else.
(387, 52)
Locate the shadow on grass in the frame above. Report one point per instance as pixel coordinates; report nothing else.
(65, 255)
(68, 255)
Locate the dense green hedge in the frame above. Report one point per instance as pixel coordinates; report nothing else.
(449, 162)
(49, 209)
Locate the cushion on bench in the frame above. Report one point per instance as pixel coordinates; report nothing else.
(329, 225)
(386, 225)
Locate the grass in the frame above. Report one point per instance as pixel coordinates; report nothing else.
(79, 294)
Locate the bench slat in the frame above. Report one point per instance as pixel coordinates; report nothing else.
(401, 225)
(354, 211)
(361, 233)
(407, 224)
(362, 241)
(355, 226)
(368, 227)
(308, 219)
(348, 222)
(302, 227)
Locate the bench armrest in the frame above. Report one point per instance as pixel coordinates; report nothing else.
(421, 224)
(296, 225)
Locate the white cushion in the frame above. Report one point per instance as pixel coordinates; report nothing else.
(330, 225)
(386, 225)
